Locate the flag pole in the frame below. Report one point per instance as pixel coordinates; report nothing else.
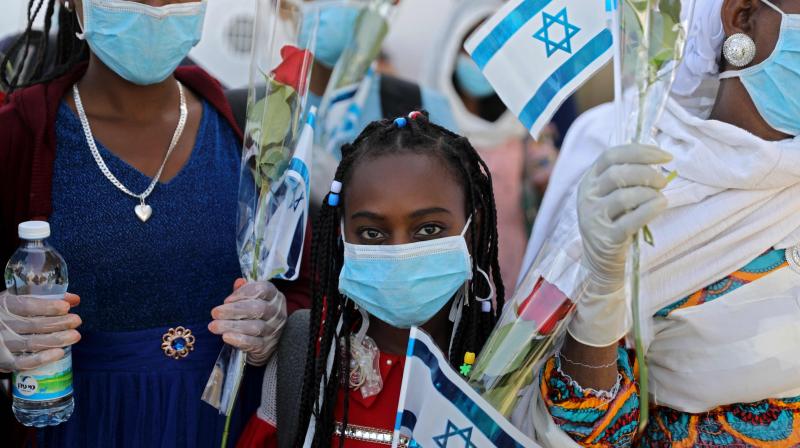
(614, 21)
(401, 405)
(615, 12)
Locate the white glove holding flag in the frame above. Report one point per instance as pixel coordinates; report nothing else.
(617, 197)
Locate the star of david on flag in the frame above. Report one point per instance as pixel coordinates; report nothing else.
(438, 409)
(570, 31)
(452, 431)
(536, 53)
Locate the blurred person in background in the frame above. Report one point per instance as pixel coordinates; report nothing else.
(135, 165)
(520, 166)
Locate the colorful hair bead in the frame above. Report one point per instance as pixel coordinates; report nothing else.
(333, 197)
(486, 306)
(333, 200)
(400, 122)
(469, 360)
(415, 114)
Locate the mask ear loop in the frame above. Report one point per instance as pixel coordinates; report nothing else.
(486, 302)
(771, 5)
(466, 226)
(81, 35)
(362, 331)
(456, 310)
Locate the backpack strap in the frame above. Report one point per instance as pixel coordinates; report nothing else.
(291, 371)
(399, 97)
(237, 98)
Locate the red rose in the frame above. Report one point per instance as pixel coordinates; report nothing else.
(294, 69)
(546, 305)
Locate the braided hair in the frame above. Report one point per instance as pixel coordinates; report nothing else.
(19, 68)
(380, 138)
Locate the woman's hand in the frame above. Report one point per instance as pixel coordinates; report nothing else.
(251, 319)
(34, 332)
(619, 195)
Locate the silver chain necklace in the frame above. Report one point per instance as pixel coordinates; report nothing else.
(142, 210)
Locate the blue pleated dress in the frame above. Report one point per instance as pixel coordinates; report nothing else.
(136, 281)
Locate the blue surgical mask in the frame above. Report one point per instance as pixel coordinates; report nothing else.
(141, 43)
(336, 25)
(470, 78)
(773, 83)
(405, 285)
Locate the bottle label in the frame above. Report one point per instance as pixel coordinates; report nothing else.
(46, 383)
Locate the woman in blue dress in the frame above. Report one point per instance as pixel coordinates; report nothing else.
(134, 162)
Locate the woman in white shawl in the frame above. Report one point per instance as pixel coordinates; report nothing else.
(722, 283)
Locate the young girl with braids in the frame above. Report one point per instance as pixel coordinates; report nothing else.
(406, 237)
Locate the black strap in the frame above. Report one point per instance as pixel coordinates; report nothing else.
(237, 98)
(291, 371)
(399, 97)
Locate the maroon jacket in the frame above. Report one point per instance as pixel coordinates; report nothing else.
(28, 149)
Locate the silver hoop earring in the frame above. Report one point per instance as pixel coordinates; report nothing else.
(739, 50)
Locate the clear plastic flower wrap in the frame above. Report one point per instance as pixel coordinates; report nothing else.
(533, 322)
(277, 108)
(274, 181)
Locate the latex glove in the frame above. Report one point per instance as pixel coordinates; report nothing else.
(33, 332)
(617, 197)
(251, 319)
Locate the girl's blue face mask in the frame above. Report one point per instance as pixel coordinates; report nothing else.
(405, 285)
(471, 79)
(773, 83)
(141, 43)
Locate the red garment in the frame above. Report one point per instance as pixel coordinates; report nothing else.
(28, 150)
(379, 411)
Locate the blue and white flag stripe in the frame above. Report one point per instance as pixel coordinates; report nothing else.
(506, 28)
(564, 76)
(536, 53)
(436, 404)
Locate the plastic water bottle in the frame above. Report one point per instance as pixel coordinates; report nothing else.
(43, 396)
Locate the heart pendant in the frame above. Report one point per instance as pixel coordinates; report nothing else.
(143, 211)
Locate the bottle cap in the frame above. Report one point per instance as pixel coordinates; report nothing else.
(34, 230)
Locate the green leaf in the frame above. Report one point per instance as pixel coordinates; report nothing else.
(277, 118)
(664, 35)
(671, 8)
(647, 235)
(272, 163)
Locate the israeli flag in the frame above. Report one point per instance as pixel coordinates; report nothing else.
(286, 227)
(536, 53)
(437, 408)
